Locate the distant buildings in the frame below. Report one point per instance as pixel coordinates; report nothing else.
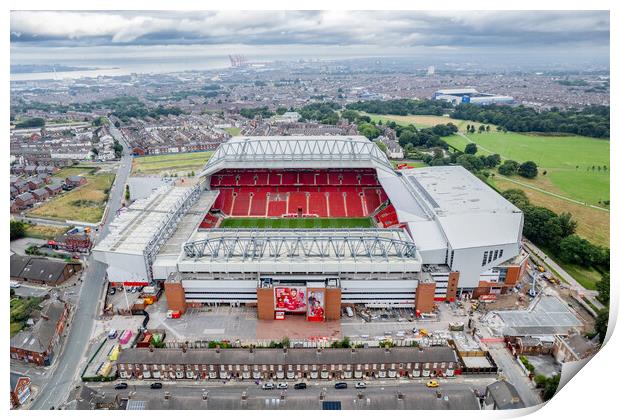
(471, 96)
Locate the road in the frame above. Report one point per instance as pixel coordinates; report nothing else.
(192, 392)
(513, 373)
(70, 361)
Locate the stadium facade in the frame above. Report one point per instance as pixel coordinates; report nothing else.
(437, 232)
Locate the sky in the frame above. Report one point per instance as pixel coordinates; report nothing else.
(564, 34)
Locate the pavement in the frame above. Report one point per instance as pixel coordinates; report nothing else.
(72, 357)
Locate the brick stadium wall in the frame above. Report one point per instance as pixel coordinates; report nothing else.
(333, 297)
(453, 283)
(175, 296)
(265, 303)
(425, 297)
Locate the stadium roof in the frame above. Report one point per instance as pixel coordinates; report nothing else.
(297, 152)
(300, 250)
(461, 204)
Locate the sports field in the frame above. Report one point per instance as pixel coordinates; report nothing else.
(568, 161)
(296, 223)
(178, 163)
(423, 121)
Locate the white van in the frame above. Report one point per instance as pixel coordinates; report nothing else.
(349, 312)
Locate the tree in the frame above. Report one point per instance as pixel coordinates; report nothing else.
(493, 160)
(481, 129)
(350, 115)
(602, 287)
(368, 130)
(600, 326)
(470, 162)
(471, 149)
(18, 229)
(508, 168)
(528, 169)
(551, 387)
(281, 110)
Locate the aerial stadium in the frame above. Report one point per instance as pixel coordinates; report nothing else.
(310, 225)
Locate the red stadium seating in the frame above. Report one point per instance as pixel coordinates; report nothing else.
(318, 204)
(354, 205)
(241, 204)
(336, 205)
(324, 193)
(276, 205)
(387, 217)
(259, 204)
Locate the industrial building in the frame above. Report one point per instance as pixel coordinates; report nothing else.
(471, 96)
(435, 233)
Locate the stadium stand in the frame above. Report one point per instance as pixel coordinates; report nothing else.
(298, 193)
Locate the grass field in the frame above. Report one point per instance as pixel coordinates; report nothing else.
(565, 158)
(294, 223)
(233, 131)
(592, 224)
(179, 163)
(423, 121)
(44, 231)
(75, 170)
(414, 163)
(86, 203)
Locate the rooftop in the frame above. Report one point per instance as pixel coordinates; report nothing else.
(297, 151)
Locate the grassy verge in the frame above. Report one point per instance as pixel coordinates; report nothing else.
(295, 223)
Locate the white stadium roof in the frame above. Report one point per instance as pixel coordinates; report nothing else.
(297, 152)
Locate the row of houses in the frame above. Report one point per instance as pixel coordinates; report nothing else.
(26, 192)
(21, 169)
(327, 364)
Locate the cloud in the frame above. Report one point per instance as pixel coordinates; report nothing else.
(404, 29)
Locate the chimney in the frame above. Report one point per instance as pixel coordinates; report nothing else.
(399, 395)
(438, 394)
(167, 395)
(205, 395)
(322, 396)
(244, 396)
(283, 395)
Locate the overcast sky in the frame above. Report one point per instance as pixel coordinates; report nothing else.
(372, 32)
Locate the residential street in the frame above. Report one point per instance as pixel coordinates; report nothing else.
(70, 361)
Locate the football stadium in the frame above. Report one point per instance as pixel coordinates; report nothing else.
(310, 225)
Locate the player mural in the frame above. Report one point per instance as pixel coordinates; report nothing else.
(290, 299)
(316, 305)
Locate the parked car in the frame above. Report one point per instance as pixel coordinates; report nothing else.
(432, 384)
(112, 291)
(301, 385)
(122, 385)
(341, 385)
(282, 385)
(360, 385)
(268, 385)
(157, 385)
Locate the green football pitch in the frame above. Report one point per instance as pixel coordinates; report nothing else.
(295, 223)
